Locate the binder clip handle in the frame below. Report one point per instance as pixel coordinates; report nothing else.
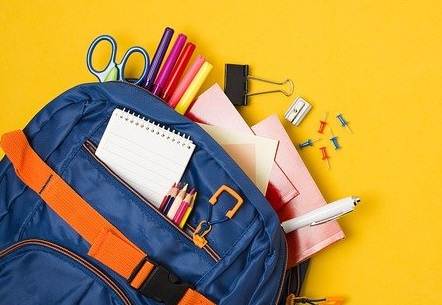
(236, 86)
(286, 93)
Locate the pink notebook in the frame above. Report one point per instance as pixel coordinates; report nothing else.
(214, 108)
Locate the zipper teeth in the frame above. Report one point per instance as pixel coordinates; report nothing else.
(281, 283)
(298, 276)
(91, 148)
(73, 256)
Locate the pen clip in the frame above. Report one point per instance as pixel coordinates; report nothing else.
(320, 222)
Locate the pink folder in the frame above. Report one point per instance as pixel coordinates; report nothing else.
(291, 189)
(306, 241)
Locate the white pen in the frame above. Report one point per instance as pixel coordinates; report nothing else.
(322, 215)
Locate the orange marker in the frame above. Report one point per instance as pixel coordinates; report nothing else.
(185, 82)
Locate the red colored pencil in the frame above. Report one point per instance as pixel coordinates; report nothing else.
(173, 191)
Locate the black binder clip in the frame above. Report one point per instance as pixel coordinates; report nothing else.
(236, 84)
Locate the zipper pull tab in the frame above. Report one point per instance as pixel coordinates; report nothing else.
(203, 228)
(292, 300)
(332, 301)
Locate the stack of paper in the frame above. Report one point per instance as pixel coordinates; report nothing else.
(291, 189)
(255, 155)
(207, 109)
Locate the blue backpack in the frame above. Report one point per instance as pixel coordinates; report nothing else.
(73, 232)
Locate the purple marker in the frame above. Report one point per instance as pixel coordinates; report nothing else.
(158, 58)
(162, 77)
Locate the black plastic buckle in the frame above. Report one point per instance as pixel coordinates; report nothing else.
(163, 286)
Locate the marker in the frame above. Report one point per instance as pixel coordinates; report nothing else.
(322, 215)
(185, 82)
(193, 88)
(176, 203)
(158, 58)
(178, 71)
(188, 211)
(165, 71)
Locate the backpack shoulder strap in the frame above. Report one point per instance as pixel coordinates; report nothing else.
(107, 244)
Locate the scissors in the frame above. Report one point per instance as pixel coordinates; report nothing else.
(114, 70)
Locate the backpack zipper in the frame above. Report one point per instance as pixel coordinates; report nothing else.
(281, 283)
(91, 148)
(75, 257)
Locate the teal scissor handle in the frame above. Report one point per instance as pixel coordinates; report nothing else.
(114, 70)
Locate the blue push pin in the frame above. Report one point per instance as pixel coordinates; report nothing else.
(344, 123)
(307, 143)
(334, 140)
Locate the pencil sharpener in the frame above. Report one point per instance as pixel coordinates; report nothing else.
(297, 111)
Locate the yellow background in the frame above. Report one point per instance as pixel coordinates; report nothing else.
(377, 62)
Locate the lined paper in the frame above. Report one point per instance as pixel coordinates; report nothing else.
(148, 157)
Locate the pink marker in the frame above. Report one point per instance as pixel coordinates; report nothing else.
(165, 71)
(185, 82)
(177, 71)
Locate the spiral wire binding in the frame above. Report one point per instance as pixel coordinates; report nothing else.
(155, 128)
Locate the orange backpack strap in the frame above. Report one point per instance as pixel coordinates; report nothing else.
(108, 244)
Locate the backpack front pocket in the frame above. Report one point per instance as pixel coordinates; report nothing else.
(37, 271)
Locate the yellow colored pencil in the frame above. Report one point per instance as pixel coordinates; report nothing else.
(187, 213)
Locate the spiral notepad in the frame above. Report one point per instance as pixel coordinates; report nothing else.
(147, 156)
